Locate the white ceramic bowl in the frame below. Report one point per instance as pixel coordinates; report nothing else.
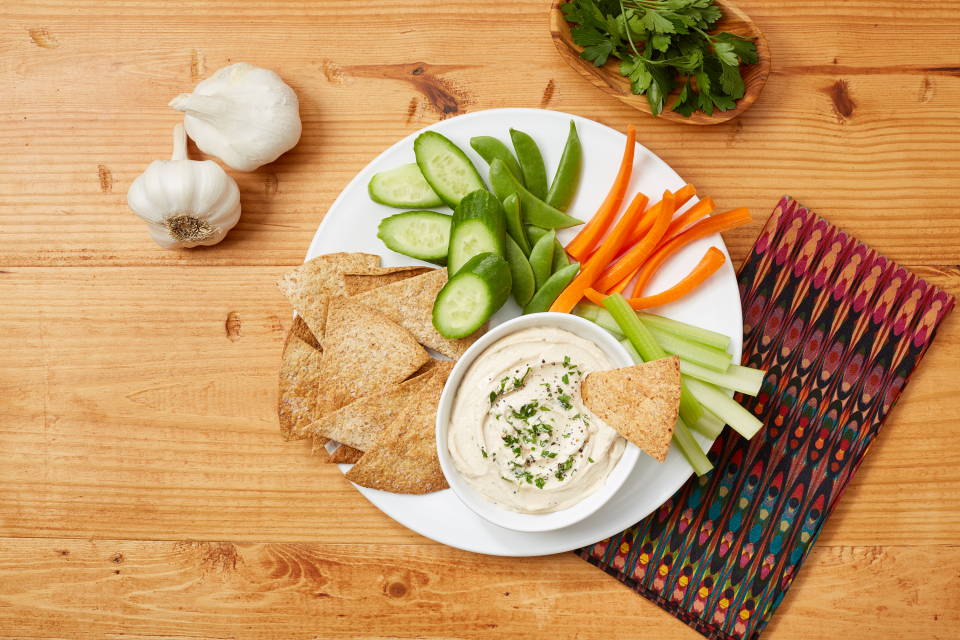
(476, 502)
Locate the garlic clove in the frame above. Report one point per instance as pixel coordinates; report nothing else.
(242, 114)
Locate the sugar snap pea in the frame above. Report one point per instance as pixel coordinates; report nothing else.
(533, 210)
(531, 163)
(491, 148)
(541, 258)
(552, 289)
(567, 179)
(511, 207)
(524, 282)
(560, 258)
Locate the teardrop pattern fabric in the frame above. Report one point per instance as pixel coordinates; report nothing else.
(839, 329)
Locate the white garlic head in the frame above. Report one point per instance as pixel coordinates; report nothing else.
(242, 114)
(185, 202)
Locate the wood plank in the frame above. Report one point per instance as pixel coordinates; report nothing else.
(844, 127)
(128, 413)
(88, 588)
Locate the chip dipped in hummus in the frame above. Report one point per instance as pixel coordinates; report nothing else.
(519, 432)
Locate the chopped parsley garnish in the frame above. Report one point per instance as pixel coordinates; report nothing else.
(590, 459)
(566, 435)
(540, 481)
(565, 402)
(483, 452)
(552, 454)
(517, 384)
(527, 411)
(563, 468)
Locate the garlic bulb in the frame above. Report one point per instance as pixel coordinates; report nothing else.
(242, 114)
(185, 202)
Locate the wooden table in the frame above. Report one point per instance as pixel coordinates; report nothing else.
(144, 488)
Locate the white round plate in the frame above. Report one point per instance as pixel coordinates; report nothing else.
(351, 225)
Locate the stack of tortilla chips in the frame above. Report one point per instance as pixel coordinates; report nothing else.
(355, 370)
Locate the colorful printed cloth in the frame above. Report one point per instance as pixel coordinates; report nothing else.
(839, 329)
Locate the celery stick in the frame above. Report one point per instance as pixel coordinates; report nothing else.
(648, 349)
(733, 378)
(684, 330)
(690, 449)
(715, 400)
(692, 351)
(709, 425)
(626, 344)
(587, 310)
(605, 320)
(616, 336)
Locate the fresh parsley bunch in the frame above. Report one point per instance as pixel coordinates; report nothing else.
(663, 44)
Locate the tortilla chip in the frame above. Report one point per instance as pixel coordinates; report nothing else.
(430, 366)
(299, 377)
(409, 303)
(363, 353)
(303, 332)
(641, 402)
(309, 286)
(318, 445)
(360, 423)
(357, 283)
(345, 455)
(404, 457)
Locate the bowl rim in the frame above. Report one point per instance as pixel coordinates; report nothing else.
(525, 522)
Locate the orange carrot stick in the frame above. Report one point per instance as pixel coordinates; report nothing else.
(641, 251)
(581, 246)
(721, 222)
(620, 286)
(595, 265)
(680, 198)
(700, 210)
(712, 260)
(594, 296)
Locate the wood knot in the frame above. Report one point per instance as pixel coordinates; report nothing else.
(43, 38)
(198, 65)
(106, 178)
(232, 325)
(396, 589)
(271, 185)
(843, 104)
(418, 71)
(118, 558)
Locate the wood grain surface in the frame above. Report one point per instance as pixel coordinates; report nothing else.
(138, 430)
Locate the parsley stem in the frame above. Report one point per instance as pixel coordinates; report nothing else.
(626, 27)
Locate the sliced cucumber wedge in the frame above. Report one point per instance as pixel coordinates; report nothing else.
(470, 297)
(403, 187)
(524, 281)
(478, 227)
(446, 168)
(424, 235)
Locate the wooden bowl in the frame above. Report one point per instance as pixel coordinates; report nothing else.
(608, 79)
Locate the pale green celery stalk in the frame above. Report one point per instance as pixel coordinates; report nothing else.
(725, 408)
(626, 344)
(616, 336)
(684, 330)
(605, 320)
(692, 351)
(587, 310)
(709, 425)
(690, 449)
(734, 378)
(648, 349)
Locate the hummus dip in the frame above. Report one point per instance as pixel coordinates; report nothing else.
(519, 432)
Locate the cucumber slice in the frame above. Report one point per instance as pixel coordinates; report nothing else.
(424, 235)
(446, 168)
(524, 282)
(403, 187)
(478, 227)
(473, 295)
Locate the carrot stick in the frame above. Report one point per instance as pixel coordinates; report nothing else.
(680, 198)
(702, 209)
(620, 286)
(721, 222)
(594, 296)
(595, 265)
(641, 251)
(591, 233)
(712, 260)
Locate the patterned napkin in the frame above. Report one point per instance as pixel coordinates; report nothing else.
(840, 329)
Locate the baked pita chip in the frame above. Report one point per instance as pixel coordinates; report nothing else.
(318, 445)
(409, 303)
(345, 455)
(641, 402)
(299, 378)
(363, 353)
(302, 331)
(357, 283)
(360, 423)
(430, 366)
(404, 457)
(309, 286)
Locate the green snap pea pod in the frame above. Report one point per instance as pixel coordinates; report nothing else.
(567, 179)
(531, 163)
(560, 258)
(533, 210)
(541, 258)
(491, 149)
(511, 207)
(524, 282)
(552, 289)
